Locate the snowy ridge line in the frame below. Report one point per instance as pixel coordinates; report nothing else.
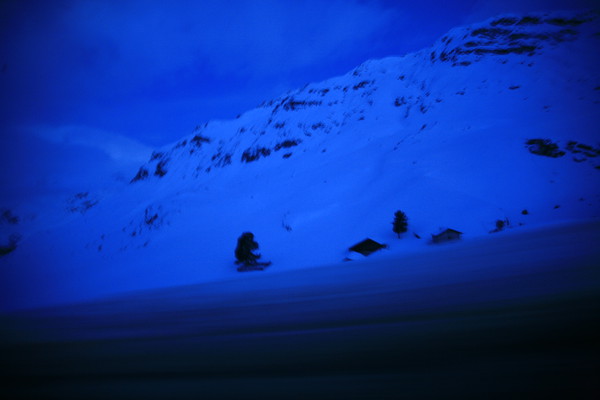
(503, 35)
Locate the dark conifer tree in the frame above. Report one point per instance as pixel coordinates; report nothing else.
(499, 225)
(400, 222)
(244, 252)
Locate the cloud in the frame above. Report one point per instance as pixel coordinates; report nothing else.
(118, 148)
(87, 61)
(239, 36)
(62, 160)
(72, 54)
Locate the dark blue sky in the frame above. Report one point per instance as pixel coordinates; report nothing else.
(120, 77)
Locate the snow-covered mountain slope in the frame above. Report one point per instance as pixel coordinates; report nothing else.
(495, 121)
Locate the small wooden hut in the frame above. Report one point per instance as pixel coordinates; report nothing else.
(446, 235)
(367, 246)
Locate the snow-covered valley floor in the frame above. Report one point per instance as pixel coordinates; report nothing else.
(513, 314)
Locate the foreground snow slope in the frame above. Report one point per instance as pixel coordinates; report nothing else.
(440, 134)
(515, 314)
(526, 265)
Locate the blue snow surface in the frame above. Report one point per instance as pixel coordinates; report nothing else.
(515, 314)
(511, 269)
(443, 134)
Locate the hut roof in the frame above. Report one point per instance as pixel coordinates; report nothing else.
(445, 235)
(367, 247)
(448, 230)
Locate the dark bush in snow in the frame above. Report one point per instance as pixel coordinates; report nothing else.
(8, 217)
(361, 85)
(226, 160)
(81, 202)
(504, 21)
(150, 217)
(199, 139)
(490, 33)
(254, 154)
(565, 22)
(9, 247)
(292, 104)
(221, 159)
(544, 147)
(497, 51)
(156, 155)
(141, 174)
(400, 224)
(588, 150)
(400, 101)
(529, 21)
(500, 225)
(584, 146)
(160, 169)
(286, 144)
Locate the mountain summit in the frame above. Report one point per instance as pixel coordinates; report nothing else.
(496, 121)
